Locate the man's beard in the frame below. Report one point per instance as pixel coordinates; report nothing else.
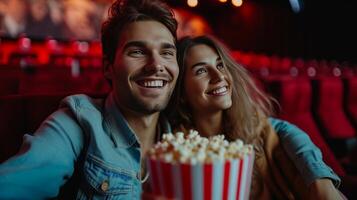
(147, 108)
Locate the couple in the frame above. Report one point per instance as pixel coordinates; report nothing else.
(96, 147)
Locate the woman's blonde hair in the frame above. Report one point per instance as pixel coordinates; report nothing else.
(249, 104)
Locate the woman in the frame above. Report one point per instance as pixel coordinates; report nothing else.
(215, 95)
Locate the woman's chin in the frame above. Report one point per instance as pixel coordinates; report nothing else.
(223, 105)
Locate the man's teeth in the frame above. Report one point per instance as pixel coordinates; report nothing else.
(219, 90)
(155, 83)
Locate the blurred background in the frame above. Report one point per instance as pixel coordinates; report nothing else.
(296, 28)
(302, 52)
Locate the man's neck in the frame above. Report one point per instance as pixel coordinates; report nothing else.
(208, 124)
(143, 125)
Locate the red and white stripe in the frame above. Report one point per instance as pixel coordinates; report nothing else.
(229, 180)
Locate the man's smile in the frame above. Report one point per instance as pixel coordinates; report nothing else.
(149, 83)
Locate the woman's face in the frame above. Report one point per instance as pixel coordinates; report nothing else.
(208, 83)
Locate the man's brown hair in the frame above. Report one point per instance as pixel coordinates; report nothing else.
(123, 12)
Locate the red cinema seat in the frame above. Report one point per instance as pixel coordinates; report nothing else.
(9, 85)
(9, 80)
(295, 101)
(351, 99)
(328, 107)
(51, 83)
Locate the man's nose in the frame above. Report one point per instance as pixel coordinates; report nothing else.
(154, 64)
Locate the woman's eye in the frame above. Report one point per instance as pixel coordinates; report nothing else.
(200, 71)
(220, 66)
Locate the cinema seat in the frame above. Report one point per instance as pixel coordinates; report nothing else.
(294, 96)
(350, 99)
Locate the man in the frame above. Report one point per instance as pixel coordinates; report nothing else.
(102, 142)
(140, 62)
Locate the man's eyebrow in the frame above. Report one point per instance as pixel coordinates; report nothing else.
(134, 44)
(143, 45)
(168, 46)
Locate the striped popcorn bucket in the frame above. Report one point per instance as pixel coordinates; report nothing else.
(229, 179)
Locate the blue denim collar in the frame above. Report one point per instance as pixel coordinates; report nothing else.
(119, 129)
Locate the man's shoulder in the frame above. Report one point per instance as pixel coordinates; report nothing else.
(83, 101)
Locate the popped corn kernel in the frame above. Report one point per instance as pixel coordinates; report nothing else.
(193, 149)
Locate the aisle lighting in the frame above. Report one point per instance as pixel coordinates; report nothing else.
(192, 3)
(296, 5)
(237, 3)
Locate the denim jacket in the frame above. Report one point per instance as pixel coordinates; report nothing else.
(94, 136)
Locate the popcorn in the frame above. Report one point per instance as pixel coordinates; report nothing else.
(192, 148)
(193, 167)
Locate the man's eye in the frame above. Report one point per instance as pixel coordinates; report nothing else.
(168, 53)
(200, 71)
(136, 52)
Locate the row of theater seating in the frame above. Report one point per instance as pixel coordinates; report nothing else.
(323, 110)
(320, 108)
(264, 65)
(24, 52)
(51, 80)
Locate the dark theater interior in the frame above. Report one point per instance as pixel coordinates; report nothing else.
(301, 52)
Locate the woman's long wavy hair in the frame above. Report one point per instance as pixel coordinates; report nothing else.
(249, 104)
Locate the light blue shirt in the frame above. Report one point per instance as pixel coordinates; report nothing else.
(94, 136)
(303, 152)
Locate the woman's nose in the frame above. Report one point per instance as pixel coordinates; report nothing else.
(216, 76)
